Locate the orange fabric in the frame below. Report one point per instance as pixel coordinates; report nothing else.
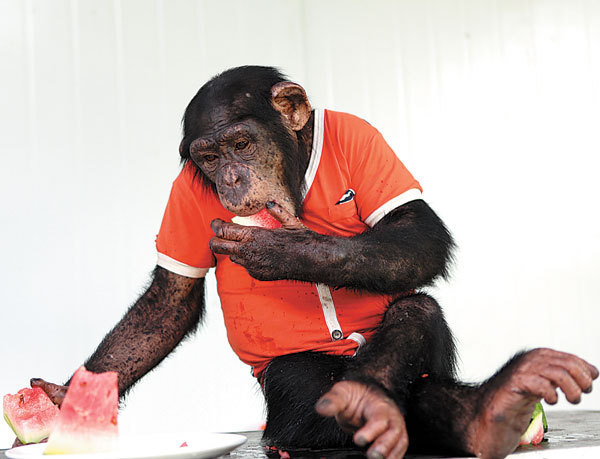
(268, 319)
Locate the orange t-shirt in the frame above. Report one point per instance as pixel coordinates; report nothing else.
(352, 181)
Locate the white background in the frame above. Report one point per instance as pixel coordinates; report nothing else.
(493, 105)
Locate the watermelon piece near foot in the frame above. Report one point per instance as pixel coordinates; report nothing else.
(262, 219)
(87, 422)
(538, 425)
(30, 413)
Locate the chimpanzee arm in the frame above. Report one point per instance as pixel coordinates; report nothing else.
(407, 249)
(171, 308)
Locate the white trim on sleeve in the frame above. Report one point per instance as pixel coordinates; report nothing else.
(407, 196)
(177, 267)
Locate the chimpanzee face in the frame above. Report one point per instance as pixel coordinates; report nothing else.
(243, 159)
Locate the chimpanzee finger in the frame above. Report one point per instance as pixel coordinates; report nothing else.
(55, 392)
(581, 371)
(571, 359)
(392, 439)
(230, 231)
(561, 378)
(594, 373)
(17, 443)
(287, 220)
(593, 370)
(541, 387)
(242, 262)
(400, 448)
(372, 429)
(330, 404)
(223, 246)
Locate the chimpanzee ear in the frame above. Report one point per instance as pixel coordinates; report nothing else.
(184, 149)
(291, 101)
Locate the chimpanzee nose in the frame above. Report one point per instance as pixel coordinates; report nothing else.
(231, 178)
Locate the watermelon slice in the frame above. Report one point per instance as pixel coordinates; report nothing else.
(87, 422)
(538, 425)
(30, 414)
(263, 219)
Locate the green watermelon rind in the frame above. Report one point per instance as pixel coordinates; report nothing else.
(10, 425)
(24, 440)
(539, 408)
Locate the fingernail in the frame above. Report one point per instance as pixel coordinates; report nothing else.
(270, 204)
(375, 455)
(323, 403)
(33, 381)
(361, 441)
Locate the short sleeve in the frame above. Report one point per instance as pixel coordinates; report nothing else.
(380, 180)
(182, 242)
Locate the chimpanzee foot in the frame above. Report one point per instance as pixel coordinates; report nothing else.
(514, 391)
(370, 414)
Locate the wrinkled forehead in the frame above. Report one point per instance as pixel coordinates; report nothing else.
(219, 111)
(219, 118)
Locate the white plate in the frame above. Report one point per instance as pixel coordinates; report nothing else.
(159, 446)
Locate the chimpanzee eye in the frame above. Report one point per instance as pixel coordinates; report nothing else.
(210, 158)
(241, 144)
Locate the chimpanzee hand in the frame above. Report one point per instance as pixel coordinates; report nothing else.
(268, 254)
(513, 392)
(55, 392)
(373, 417)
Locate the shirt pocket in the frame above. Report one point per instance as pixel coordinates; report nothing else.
(342, 211)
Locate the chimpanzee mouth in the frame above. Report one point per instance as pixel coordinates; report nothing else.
(241, 205)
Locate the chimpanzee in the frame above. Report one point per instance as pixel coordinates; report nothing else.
(326, 309)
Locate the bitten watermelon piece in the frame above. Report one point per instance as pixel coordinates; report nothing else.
(538, 425)
(87, 422)
(263, 219)
(30, 413)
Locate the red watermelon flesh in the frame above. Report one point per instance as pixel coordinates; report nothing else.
(87, 422)
(263, 219)
(30, 413)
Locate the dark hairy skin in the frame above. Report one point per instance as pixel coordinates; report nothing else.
(387, 405)
(236, 158)
(248, 133)
(408, 367)
(170, 309)
(375, 386)
(408, 249)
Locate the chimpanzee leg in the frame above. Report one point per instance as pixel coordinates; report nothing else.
(412, 358)
(438, 414)
(413, 342)
(292, 385)
(488, 419)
